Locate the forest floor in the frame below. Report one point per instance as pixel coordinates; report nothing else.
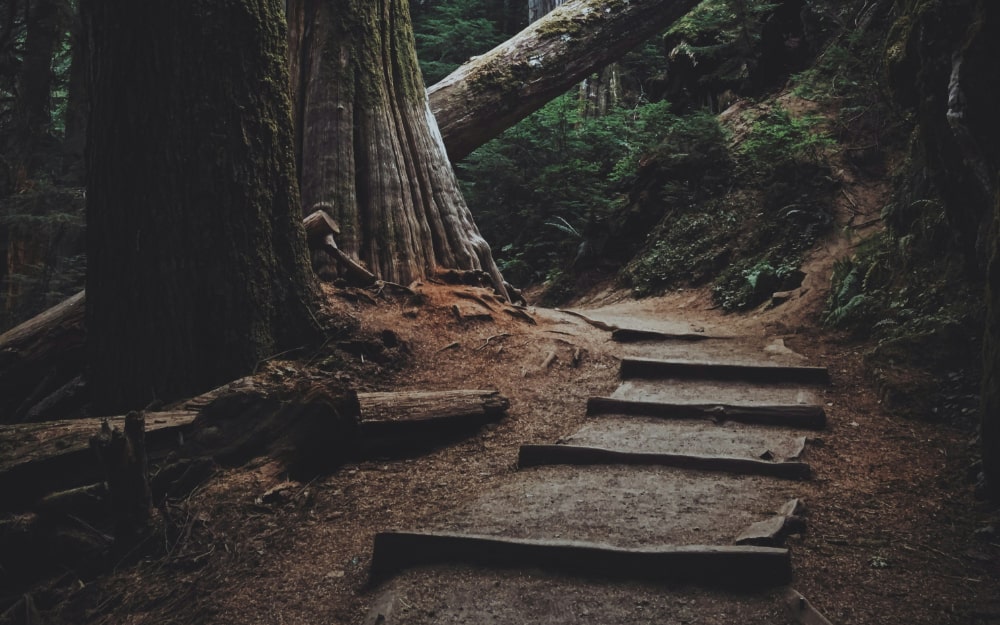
(895, 533)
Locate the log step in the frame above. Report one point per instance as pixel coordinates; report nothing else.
(808, 416)
(540, 455)
(721, 566)
(766, 374)
(631, 335)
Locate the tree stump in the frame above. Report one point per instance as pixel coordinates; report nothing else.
(123, 456)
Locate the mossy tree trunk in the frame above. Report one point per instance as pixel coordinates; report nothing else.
(370, 153)
(197, 265)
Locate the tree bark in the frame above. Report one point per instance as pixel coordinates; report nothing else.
(492, 92)
(369, 147)
(197, 264)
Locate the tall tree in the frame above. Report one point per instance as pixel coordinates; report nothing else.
(197, 263)
(369, 149)
(46, 24)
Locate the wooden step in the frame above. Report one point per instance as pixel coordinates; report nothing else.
(765, 374)
(539, 455)
(631, 335)
(808, 416)
(721, 566)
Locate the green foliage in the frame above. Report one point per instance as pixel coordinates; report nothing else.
(540, 190)
(777, 139)
(745, 224)
(450, 32)
(723, 34)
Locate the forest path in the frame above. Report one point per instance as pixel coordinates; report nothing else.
(636, 515)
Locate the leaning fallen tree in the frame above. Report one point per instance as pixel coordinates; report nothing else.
(492, 92)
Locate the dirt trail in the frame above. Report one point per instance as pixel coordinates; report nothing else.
(616, 506)
(891, 526)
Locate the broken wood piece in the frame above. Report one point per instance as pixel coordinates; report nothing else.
(452, 345)
(771, 532)
(318, 225)
(793, 507)
(577, 356)
(354, 270)
(802, 611)
(766, 374)
(126, 470)
(791, 415)
(549, 359)
(540, 455)
(729, 567)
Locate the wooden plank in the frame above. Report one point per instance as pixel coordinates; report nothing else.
(721, 566)
(538, 455)
(791, 415)
(633, 335)
(650, 368)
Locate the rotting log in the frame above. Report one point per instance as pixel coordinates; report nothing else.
(313, 432)
(428, 413)
(540, 455)
(809, 416)
(728, 567)
(40, 356)
(763, 374)
(42, 458)
(492, 92)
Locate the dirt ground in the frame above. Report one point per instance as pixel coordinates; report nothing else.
(895, 533)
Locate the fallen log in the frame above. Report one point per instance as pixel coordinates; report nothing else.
(41, 356)
(729, 567)
(42, 458)
(238, 421)
(428, 413)
(492, 92)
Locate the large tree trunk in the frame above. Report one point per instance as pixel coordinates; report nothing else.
(370, 152)
(197, 263)
(494, 91)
